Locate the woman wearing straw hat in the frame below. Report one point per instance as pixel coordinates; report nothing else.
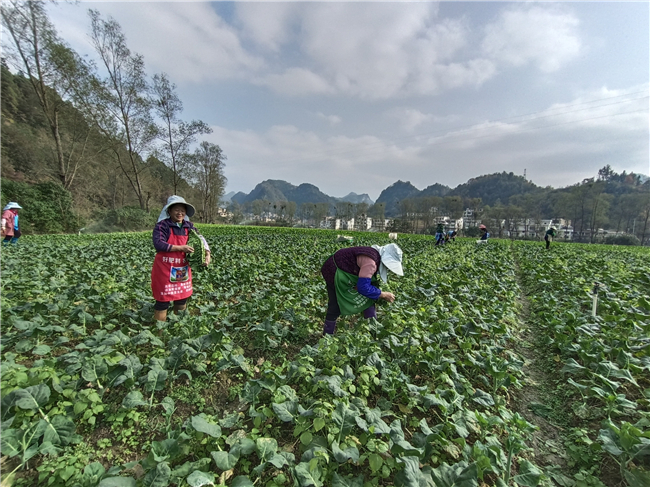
(351, 279)
(171, 275)
(10, 230)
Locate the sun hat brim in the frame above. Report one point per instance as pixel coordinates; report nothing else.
(175, 200)
(12, 205)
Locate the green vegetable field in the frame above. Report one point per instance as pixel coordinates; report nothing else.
(487, 370)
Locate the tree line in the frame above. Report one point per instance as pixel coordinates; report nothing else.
(102, 128)
(619, 203)
(612, 201)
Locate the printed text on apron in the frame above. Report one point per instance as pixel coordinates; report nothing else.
(171, 276)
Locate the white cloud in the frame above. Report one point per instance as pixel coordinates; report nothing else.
(371, 51)
(360, 49)
(296, 82)
(266, 24)
(558, 146)
(545, 35)
(381, 50)
(189, 41)
(331, 119)
(337, 165)
(409, 118)
(400, 59)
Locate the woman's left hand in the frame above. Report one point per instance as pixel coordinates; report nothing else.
(207, 258)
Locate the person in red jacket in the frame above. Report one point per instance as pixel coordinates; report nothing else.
(10, 230)
(171, 275)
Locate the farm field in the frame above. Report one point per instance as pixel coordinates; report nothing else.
(488, 369)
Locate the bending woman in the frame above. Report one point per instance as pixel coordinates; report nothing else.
(351, 280)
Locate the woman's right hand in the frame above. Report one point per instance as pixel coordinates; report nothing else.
(390, 297)
(184, 248)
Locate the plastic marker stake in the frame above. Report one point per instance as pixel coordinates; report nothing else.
(595, 299)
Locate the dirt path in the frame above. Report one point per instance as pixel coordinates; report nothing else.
(537, 400)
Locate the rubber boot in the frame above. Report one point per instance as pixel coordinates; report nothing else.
(370, 312)
(14, 241)
(329, 327)
(160, 314)
(178, 309)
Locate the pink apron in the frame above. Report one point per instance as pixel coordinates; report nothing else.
(171, 276)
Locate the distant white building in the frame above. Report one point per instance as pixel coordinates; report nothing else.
(471, 218)
(455, 224)
(530, 228)
(380, 224)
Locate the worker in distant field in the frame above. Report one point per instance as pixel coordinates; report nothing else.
(549, 235)
(440, 234)
(450, 235)
(485, 235)
(171, 276)
(351, 280)
(10, 230)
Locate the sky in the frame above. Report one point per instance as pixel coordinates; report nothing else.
(353, 96)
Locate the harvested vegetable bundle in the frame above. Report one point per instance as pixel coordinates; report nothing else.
(196, 259)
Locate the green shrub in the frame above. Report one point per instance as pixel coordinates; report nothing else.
(47, 206)
(472, 232)
(622, 240)
(126, 219)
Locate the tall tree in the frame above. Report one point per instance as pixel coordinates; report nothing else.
(207, 163)
(291, 208)
(598, 208)
(377, 211)
(53, 70)
(320, 212)
(360, 209)
(120, 104)
(644, 205)
(453, 206)
(175, 135)
(606, 173)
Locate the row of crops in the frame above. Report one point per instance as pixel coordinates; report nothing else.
(603, 360)
(242, 389)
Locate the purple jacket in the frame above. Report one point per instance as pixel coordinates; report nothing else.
(163, 229)
(346, 260)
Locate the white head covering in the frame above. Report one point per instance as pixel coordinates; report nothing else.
(173, 200)
(391, 259)
(11, 206)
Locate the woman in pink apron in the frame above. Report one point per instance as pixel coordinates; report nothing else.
(171, 275)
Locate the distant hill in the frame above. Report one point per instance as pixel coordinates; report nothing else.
(227, 198)
(239, 197)
(396, 192)
(490, 188)
(436, 189)
(493, 187)
(271, 190)
(357, 198)
(276, 190)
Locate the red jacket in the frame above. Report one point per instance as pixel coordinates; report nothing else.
(8, 222)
